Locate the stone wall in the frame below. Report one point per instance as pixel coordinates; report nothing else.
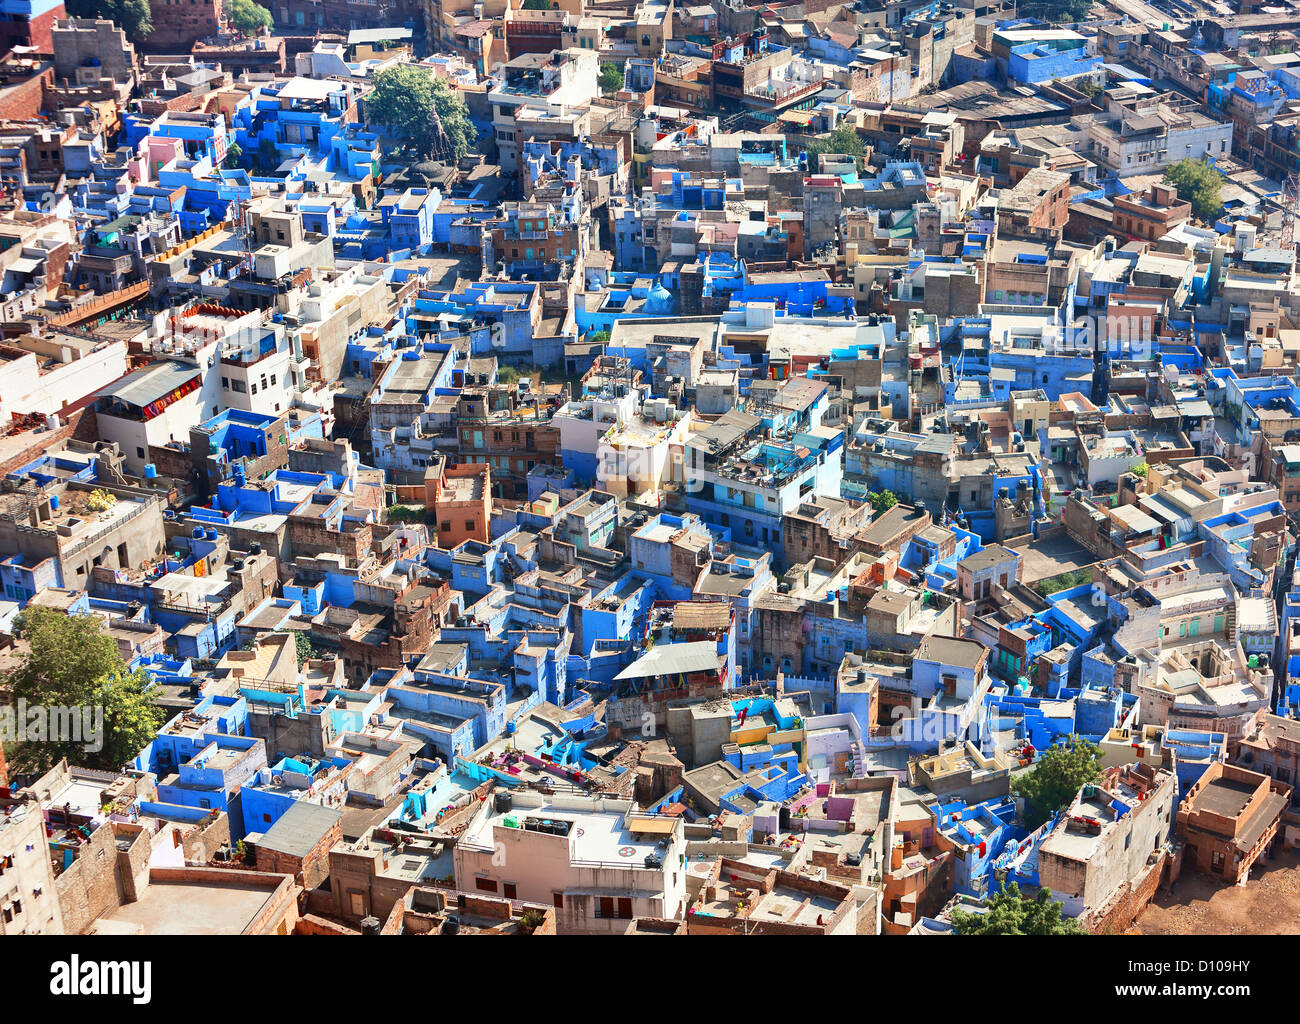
(1119, 913)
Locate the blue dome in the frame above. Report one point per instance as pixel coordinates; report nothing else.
(660, 301)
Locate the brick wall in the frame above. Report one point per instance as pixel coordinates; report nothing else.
(89, 887)
(1119, 913)
(23, 101)
(37, 32)
(309, 871)
(177, 28)
(310, 924)
(184, 103)
(135, 847)
(81, 425)
(205, 839)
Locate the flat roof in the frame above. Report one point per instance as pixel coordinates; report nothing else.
(195, 908)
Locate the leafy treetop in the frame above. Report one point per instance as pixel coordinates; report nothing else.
(1010, 913)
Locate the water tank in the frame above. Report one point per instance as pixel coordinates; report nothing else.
(54, 502)
(150, 471)
(197, 533)
(255, 548)
(503, 802)
(653, 860)
(211, 534)
(510, 728)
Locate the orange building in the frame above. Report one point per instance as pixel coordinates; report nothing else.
(1228, 819)
(461, 500)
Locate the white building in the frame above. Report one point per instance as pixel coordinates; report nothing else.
(211, 358)
(1149, 139)
(44, 374)
(645, 452)
(584, 421)
(152, 406)
(540, 85)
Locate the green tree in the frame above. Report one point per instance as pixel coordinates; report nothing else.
(302, 645)
(402, 102)
(1088, 87)
(882, 501)
(600, 338)
(71, 662)
(1140, 468)
(1009, 913)
(1056, 778)
(414, 105)
(268, 157)
(539, 5)
(611, 78)
(406, 514)
(1198, 183)
(1064, 581)
(233, 152)
(845, 140)
(1054, 10)
(248, 17)
(453, 112)
(134, 17)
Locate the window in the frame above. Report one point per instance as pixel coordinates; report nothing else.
(625, 908)
(508, 890)
(446, 525)
(225, 383)
(485, 884)
(605, 906)
(557, 898)
(358, 904)
(469, 524)
(139, 452)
